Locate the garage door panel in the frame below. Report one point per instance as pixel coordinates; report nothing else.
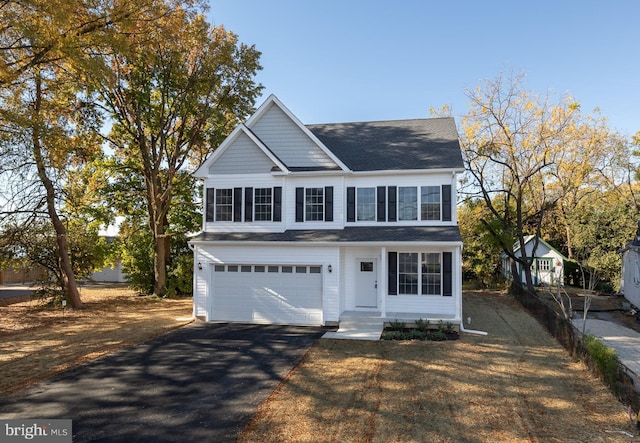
(291, 297)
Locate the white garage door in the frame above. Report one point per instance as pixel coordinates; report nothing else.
(267, 294)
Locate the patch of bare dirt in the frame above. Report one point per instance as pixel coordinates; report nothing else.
(37, 341)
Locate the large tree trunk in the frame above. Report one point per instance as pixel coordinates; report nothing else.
(158, 224)
(64, 260)
(160, 259)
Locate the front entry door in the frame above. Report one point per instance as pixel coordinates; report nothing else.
(367, 283)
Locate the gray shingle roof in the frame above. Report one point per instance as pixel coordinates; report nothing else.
(393, 145)
(348, 234)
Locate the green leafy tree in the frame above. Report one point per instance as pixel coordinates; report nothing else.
(48, 50)
(481, 253)
(176, 93)
(518, 148)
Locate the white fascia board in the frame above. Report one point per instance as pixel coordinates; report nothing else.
(272, 99)
(203, 170)
(331, 173)
(407, 171)
(408, 244)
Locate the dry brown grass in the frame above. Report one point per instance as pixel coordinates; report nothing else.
(37, 342)
(514, 385)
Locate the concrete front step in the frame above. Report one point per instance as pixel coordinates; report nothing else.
(358, 326)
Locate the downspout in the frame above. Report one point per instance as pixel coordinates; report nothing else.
(471, 331)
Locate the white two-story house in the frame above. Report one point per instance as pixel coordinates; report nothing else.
(305, 222)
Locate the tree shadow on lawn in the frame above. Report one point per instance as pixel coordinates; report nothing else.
(516, 384)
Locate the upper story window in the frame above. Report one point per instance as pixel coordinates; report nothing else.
(243, 204)
(407, 203)
(262, 204)
(398, 203)
(224, 205)
(314, 204)
(430, 203)
(366, 204)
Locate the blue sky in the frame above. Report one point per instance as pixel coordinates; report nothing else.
(357, 60)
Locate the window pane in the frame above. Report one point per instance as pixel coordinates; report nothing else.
(224, 204)
(262, 204)
(245, 268)
(366, 198)
(259, 268)
(273, 268)
(301, 269)
(314, 204)
(430, 203)
(408, 203)
(219, 268)
(287, 269)
(431, 280)
(407, 273)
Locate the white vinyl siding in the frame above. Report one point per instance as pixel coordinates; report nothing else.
(242, 157)
(288, 142)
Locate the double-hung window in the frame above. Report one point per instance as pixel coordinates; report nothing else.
(419, 273)
(262, 204)
(431, 273)
(366, 207)
(430, 203)
(224, 204)
(314, 204)
(407, 273)
(407, 203)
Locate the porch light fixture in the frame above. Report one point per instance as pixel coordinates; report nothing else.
(329, 268)
(199, 266)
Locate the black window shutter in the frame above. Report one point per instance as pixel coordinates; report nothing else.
(351, 204)
(299, 204)
(210, 204)
(237, 204)
(277, 204)
(382, 204)
(393, 273)
(392, 212)
(248, 204)
(328, 203)
(447, 274)
(446, 202)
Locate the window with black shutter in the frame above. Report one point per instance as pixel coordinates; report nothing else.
(210, 204)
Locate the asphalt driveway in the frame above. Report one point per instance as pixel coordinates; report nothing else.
(202, 382)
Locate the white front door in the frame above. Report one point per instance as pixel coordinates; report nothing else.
(367, 283)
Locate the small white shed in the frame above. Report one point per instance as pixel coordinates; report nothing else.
(630, 275)
(548, 263)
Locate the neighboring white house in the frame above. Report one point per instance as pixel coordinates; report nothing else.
(302, 223)
(630, 277)
(547, 266)
(110, 274)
